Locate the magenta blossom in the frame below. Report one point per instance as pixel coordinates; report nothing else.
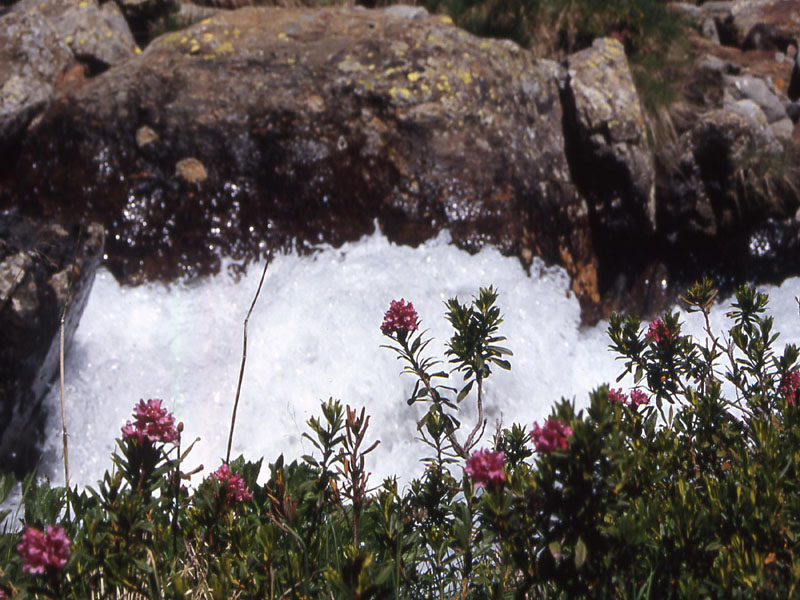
(638, 397)
(152, 423)
(401, 316)
(553, 435)
(232, 485)
(790, 383)
(486, 467)
(617, 396)
(658, 332)
(43, 552)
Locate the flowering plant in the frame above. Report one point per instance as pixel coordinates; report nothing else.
(42, 551)
(684, 487)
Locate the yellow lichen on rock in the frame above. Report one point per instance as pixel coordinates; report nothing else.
(400, 93)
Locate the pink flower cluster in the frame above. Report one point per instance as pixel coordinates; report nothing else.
(790, 383)
(552, 436)
(486, 468)
(658, 332)
(637, 397)
(401, 316)
(152, 423)
(43, 551)
(232, 485)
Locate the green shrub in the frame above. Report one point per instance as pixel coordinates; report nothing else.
(684, 485)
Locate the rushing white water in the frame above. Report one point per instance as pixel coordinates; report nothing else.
(314, 334)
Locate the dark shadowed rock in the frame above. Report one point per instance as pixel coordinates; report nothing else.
(42, 266)
(706, 199)
(297, 127)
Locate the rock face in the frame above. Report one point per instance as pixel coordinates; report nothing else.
(31, 58)
(43, 266)
(44, 46)
(295, 127)
(611, 158)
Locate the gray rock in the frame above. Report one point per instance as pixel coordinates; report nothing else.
(702, 18)
(783, 129)
(612, 161)
(755, 89)
(43, 267)
(405, 11)
(31, 58)
(91, 31)
(704, 199)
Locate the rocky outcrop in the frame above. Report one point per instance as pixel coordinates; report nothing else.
(44, 266)
(294, 127)
(96, 34)
(46, 45)
(718, 148)
(31, 58)
(612, 163)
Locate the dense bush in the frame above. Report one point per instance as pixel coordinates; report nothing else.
(684, 485)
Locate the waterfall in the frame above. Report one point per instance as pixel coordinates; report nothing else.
(314, 334)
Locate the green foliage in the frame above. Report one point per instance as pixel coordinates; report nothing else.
(685, 487)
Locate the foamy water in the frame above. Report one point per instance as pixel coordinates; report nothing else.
(314, 334)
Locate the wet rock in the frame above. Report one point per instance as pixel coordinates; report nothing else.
(43, 267)
(299, 127)
(610, 157)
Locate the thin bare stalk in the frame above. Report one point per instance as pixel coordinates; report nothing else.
(74, 274)
(244, 357)
(63, 409)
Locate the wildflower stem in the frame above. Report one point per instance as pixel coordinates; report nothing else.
(73, 274)
(244, 357)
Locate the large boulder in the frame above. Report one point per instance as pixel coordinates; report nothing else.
(97, 35)
(32, 56)
(606, 136)
(46, 46)
(296, 127)
(44, 266)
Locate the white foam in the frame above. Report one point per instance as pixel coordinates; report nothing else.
(313, 334)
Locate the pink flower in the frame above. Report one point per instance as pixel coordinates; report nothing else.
(617, 396)
(3, 595)
(486, 467)
(658, 332)
(401, 316)
(638, 397)
(153, 424)
(553, 435)
(789, 386)
(43, 552)
(233, 486)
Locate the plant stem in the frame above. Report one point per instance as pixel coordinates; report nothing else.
(244, 357)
